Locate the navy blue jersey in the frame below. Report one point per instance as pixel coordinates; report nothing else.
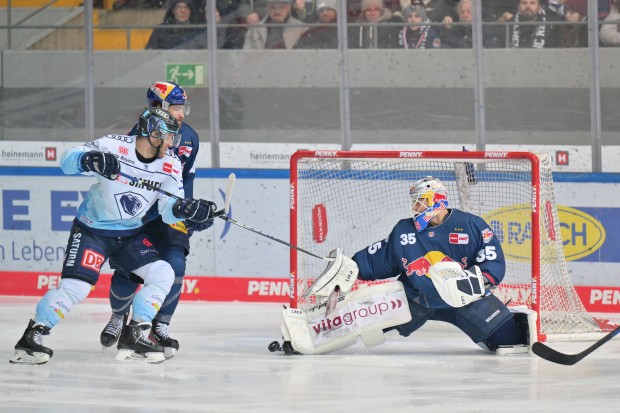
(464, 238)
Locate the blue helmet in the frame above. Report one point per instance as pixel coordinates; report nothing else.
(163, 94)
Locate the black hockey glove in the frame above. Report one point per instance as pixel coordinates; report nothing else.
(196, 210)
(198, 226)
(105, 164)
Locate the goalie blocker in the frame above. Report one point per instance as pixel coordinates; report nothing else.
(364, 313)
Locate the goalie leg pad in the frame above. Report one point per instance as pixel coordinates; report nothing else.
(526, 322)
(365, 312)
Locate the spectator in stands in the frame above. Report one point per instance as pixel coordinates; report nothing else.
(610, 32)
(499, 10)
(436, 10)
(180, 12)
(227, 37)
(253, 10)
(460, 36)
(276, 31)
(304, 10)
(354, 9)
(556, 7)
(574, 35)
(536, 36)
(326, 35)
(414, 35)
(368, 32)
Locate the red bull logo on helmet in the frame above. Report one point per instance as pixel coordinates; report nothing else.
(421, 266)
(162, 88)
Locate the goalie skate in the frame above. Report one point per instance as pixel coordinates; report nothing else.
(134, 345)
(30, 349)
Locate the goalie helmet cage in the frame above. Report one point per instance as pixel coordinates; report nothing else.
(351, 199)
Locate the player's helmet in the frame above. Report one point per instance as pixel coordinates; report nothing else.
(433, 191)
(163, 94)
(159, 124)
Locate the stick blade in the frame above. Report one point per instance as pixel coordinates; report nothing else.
(229, 187)
(549, 354)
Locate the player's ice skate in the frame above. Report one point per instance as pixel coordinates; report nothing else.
(112, 330)
(159, 334)
(135, 346)
(30, 349)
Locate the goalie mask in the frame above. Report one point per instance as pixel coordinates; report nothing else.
(164, 94)
(428, 198)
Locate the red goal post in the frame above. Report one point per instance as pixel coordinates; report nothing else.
(350, 199)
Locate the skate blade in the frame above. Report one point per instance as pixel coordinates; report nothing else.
(169, 352)
(130, 356)
(23, 357)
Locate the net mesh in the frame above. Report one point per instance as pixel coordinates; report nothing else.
(351, 203)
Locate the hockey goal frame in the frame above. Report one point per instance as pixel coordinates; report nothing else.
(538, 206)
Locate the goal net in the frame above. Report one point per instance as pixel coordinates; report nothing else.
(351, 199)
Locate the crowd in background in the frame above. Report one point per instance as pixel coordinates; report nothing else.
(407, 24)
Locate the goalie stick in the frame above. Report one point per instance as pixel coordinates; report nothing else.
(554, 356)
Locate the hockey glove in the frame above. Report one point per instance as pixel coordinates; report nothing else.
(198, 226)
(195, 210)
(105, 164)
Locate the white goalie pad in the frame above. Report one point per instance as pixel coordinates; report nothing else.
(456, 286)
(341, 271)
(363, 313)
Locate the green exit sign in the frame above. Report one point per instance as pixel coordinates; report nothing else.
(186, 74)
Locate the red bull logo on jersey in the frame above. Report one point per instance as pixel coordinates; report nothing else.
(184, 150)
(422, 265)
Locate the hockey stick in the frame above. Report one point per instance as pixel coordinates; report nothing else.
(229, 186)
(232, 221)
(554, 356)
(222, 213)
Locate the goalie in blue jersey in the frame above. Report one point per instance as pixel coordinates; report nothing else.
(109, 225)
(444, 263)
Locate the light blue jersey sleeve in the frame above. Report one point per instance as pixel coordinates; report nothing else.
(70, 159)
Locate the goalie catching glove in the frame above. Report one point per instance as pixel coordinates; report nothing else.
(195, 210)
(341, 271)
(457, 287)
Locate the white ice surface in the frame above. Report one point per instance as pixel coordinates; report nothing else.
(224, 366)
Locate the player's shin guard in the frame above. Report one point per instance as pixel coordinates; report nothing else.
(57, 303)
(363, 313)
(158, 278)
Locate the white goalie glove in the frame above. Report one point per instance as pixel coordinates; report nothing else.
(341, 271)
(457, 287)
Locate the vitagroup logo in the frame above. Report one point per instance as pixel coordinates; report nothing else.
(581, 234)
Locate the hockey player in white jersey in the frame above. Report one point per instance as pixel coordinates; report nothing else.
(109, 224)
